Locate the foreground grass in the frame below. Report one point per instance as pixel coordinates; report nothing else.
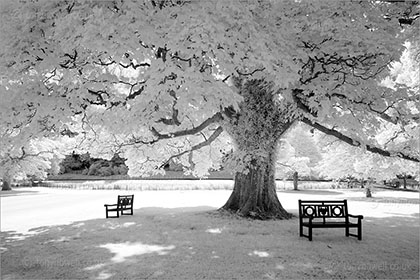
(196, 244)
(202, 243)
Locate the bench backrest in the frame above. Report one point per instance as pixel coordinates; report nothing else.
(125, 201)
(323, 209)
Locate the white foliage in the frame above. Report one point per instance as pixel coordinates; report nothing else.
(33, 159)
(78, 66)
(298, 152)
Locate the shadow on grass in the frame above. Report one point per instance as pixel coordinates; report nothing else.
(200, 242)
(397, 221)
(17, 192)
(387, 200)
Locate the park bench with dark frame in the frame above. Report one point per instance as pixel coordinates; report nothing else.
(327, 214)
(124, 205)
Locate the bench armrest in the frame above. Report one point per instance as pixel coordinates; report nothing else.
(109, 205)
(356, 216)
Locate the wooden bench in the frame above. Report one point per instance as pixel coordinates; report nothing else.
(124, 205)
(327, 214)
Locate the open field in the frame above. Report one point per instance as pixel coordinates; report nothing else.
(62, 234)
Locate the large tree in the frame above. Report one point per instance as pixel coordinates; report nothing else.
(164, 79)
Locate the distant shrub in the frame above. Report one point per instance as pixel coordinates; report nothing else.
(93, 169)
(84, 164)
(121, 170)
(105, 171)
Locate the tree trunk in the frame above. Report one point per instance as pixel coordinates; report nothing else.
(368, 192)
(7, 183)
(295, 180)
(254, 195)
(255, 131)
(369, 189)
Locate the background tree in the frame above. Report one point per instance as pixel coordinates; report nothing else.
(31, 160)
(298, 154)
(343, 161)
(164, 79)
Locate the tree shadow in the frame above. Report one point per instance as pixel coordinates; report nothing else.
(17, 192)
(386, 200)
(98, 248)
(199, 242)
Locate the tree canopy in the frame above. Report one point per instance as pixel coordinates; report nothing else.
(156, 79)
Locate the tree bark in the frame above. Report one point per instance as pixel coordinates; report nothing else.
(7, 183)
(368, 192)
(255, 131)
(295, 180)
(254, 195)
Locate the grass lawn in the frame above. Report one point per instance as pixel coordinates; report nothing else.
(62, 234)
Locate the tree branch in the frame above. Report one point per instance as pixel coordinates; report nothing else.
(287, 165)
(25, 154)
(207, 142)
(216, 117)
(354, 143)
(174, 119)
(381, 114)
(159, 136)
(249, 73)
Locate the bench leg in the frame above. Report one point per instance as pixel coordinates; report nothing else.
(347, 231)
(310, 233)
(125, 212)
(359, 231)
(107, 215)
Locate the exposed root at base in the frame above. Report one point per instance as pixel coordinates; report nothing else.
(256, 215)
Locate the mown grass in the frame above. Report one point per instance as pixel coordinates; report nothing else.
(180, 235)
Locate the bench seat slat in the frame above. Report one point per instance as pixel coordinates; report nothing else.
(328, 224)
